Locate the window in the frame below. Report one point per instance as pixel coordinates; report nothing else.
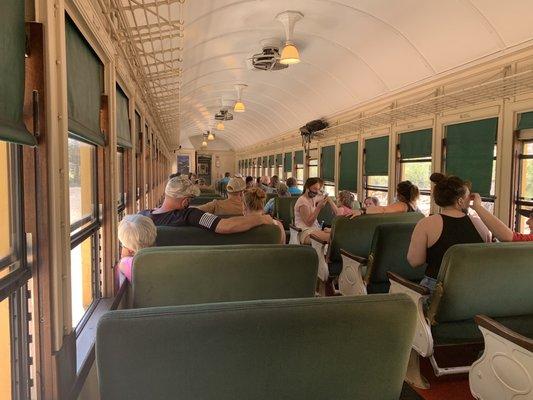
(376, 162)
(287, 165)
(414, 156)
(312, 164)
(525, 182)
(327, 168)
(84, 228)
(138, 158)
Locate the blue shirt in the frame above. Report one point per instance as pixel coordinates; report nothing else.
(295, 190)
(225, 180)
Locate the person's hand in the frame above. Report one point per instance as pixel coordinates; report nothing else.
(267, 219)
(322, 202)
(476, 201)
(355, 213)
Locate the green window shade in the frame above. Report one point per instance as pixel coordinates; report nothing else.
(138, 130)
(299, 157)
(327, 163)
(416, 144)
(84, 86)
(12, 75)
(265, 161)
(123, 119)
(287, 165)
(526, 120)
(271, 161)
(470, 152)
(348, 168)
(377, 156)
(279, 159)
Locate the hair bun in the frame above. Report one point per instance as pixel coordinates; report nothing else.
(437, 177)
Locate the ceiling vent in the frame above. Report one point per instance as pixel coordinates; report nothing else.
(268, 59)
(223, 115)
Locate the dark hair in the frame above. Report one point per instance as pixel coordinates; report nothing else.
(312, 181)
(174, 175)
(448, 189)
(407, 192)
(249, 179)
(274, 180)
(227, 175)
(291, 182)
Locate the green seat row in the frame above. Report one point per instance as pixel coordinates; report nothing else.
(204, 274)
(270, 349)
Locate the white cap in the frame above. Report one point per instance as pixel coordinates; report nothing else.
(180, 186)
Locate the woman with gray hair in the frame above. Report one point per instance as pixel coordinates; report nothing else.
(135, 232)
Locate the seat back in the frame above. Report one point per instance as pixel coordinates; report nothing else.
(316, 348)
(284, 209)
(326, 215)
(488, 278)
(270, 196)
(191, 236)
(203, 199)
(355, 235)
(389, 253)
(204, 274)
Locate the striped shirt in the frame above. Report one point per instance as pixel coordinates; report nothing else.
(184, 217)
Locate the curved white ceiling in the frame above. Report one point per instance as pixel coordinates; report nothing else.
(351, 51)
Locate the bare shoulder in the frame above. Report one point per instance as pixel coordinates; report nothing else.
(429, 221)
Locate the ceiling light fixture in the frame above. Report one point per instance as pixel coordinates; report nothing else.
(210, 136)
(220, 126)
(204, 142)
(239, 105)
(289, 54)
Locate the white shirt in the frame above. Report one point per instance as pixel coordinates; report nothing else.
(310, 204)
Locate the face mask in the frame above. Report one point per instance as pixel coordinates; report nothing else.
(312, 194)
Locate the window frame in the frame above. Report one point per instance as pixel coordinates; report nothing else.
(518, 200)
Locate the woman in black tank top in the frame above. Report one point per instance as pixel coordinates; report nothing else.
(435, 234)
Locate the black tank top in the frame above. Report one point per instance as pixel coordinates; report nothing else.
(454, 231)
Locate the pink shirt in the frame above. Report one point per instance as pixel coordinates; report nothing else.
(125, 266)
(343, 211)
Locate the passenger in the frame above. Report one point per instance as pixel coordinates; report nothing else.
(258, 182)
(435, 234)
(249, 182)
(135, 232)
(307, 208)
(226, 178)
(407, 197)
(293, 189)
(233, 205)
(371, 202)
(175, 211)
(498, 228)
(344, 206)
(274, 182)
(254, 201)
(283, 191)
(192, 177)
(265, 184)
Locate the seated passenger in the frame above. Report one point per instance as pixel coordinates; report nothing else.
(307, 208)
(435, 234)
(283, 191)
(226, 178)
(249, 182)
(274, 182)
(293, 189)
(344, 206)
(254, 201)
(258, 182)
(265, 184)
(135, 232)
(407, 195)
(175, 211)
(498, 228)
(233, 205)
(371, 202)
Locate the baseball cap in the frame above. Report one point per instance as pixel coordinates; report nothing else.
(181, 186)
(236, 184)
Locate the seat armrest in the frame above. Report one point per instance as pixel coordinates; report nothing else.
(317, 239)
(360, 260)
(294, 227)
(506, 333)
(422, 290)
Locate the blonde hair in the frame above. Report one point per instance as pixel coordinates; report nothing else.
(346, 198)
(136, 232)
(254, 199)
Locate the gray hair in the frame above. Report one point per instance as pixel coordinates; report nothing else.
(180, 186)
(136, 232)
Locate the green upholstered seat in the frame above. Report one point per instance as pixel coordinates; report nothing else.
(355, 235)
(189, 236)
(326, 215)
(203, 199)
(270, 196)
(261, 350)
(490, 279)
(206, 274)
(389, 253)
(284, 209)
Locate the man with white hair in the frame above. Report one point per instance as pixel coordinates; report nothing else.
(233, 205)
(175, 211)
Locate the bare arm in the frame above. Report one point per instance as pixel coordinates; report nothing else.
(393, 208)
(242, 224)
(308, 216)
(497, 227)
(208, 207)
(416, 256)
(336, 209)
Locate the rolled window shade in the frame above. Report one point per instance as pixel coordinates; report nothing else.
(470, 152)
(279, 159)
(416, 144)
(327, 163)
(287, 164)
(84, 87)
(525, 120)
(265, 161)
(377, 156)
(299, 157)
(123, 120)
(12, 73)
(271, 161)
(348, 166)
(138, 131)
